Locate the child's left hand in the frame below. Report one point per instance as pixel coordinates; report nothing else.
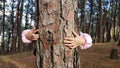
(31, 35)
(74, 42)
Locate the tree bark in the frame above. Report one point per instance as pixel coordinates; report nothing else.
(100, 34)
(56, 20)
(3, 30)
(90, 27)
(26, 17)
(19, 28)
(84, 16)
(14, 31)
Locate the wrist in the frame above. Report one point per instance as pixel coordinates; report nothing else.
(87, 42)
(83, 41)
(24, 38)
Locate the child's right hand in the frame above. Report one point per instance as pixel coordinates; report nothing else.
(74, 42)
(31, 34)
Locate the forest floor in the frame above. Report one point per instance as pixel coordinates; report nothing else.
(24, 60)
(95, 57)
(98, 56)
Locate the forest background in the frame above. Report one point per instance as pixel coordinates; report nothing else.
(99, 18)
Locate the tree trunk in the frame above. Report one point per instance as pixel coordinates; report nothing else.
(19, 31)
(114, 54)
(100, 35)
(114, 20)
(84, 16)
(26, 20)
(56, 20)
(3, 30)
(91, 18)
(14, 31)
(119, 23)
(8, 43)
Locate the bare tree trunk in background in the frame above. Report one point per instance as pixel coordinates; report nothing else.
(115, 22)
(12, 23)
(100, 34)
(105, 26)
(91, 19)
(3, 30)
(8, 43)
(112, 25)
(56, 20)
(11, 29)
(19, 28)
(109, 24)
(26, 20)
(27, 46)
(84, 17)
(14, 29)
(119, 27)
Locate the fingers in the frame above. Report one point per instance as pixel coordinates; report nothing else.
(72, 46)
(74, 33)
(35, 37)
(69, 39)
(35, 31)
(69, 43)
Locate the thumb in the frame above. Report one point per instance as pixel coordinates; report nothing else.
(75, 34)
(33, 29)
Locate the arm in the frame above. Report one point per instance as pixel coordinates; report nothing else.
(83, 40)
(88, 41)
(29, 35)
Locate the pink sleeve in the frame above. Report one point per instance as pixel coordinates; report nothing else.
(24, 39)
(88, 40)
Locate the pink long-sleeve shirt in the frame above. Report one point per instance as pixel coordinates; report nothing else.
(88, 40)
(87, 37)
(24, 39)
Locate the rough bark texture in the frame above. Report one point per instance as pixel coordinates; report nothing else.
(56, 20)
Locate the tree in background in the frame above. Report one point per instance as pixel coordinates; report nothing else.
(90, 20)
(100, 22)
(84, 16)
(3, 29)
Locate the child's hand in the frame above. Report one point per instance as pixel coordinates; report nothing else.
(74, 42)
(31, 35)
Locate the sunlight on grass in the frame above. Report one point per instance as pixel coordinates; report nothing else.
(98, 56)
(18, 60)
(7, 59)
(110, 43)
(22, 66)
